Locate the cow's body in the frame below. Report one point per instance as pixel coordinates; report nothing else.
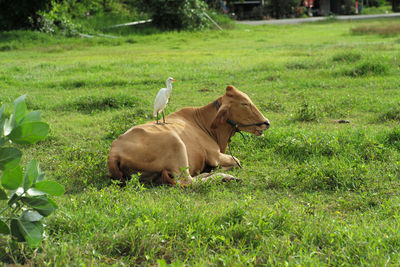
(192, 141)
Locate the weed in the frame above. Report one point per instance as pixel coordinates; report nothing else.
(308, 113)
(392, 114)
(6, 48)
(296, 65)
(392, 138)
(386, 30)
(274, 105)
(368, 68)
(90, 104)
(272, 78)
(348, 57)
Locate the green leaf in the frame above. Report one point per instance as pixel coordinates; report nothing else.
(31, 231)
(31, 216)
(3, 195)
(41, 204)
(1, 118)
(34, 192)
(15, 232)
(4, 229)
(9, 157)
(41, 176)
(32, 116)
(12, 178)
(19, 108)
(2, 140)
(29, 132)
(31, 173)
(50, 187)
(9, 125)
(55, 206)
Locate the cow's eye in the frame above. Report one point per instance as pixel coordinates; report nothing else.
(245, 104)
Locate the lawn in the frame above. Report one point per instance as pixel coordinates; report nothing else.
(313, 191)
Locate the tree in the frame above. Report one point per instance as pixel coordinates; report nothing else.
(16, 14)
(395, 5)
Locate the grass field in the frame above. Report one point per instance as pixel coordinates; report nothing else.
(313, 191)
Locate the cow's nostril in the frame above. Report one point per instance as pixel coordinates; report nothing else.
(266, 123)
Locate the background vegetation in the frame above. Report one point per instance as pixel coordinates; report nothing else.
(71, 17)
(313, 191)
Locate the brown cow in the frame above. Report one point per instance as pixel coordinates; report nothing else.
(191, 142)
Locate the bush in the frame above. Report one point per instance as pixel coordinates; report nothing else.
(57, 20)
(177, 14)
(376, 3)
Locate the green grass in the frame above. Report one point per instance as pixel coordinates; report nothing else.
(313, 191)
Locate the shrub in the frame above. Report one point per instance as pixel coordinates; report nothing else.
(57, 20)
(177, 14)
(376, 3)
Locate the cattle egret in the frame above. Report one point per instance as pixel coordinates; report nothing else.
(161, 100)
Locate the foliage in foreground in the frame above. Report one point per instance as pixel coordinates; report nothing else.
(23, 196)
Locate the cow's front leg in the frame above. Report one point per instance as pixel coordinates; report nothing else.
(228, 162)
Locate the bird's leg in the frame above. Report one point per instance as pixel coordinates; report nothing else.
(163, 118)
(157, 118)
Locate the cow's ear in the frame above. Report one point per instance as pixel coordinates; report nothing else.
(230, 90)
(221, 117)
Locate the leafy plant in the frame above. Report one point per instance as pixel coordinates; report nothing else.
(57, 19)
(23, 195)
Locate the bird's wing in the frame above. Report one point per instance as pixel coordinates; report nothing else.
(161, 100)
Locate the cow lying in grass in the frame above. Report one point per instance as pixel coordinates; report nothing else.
(192, 142)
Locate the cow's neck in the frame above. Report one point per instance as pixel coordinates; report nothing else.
(204, 117)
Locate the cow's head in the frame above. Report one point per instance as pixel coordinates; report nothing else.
(235, 107)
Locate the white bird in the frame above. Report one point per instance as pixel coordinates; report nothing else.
(161, 100)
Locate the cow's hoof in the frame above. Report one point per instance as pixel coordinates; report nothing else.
(228, 178)
(231, 179)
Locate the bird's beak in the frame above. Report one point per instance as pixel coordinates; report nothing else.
(174, 80)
